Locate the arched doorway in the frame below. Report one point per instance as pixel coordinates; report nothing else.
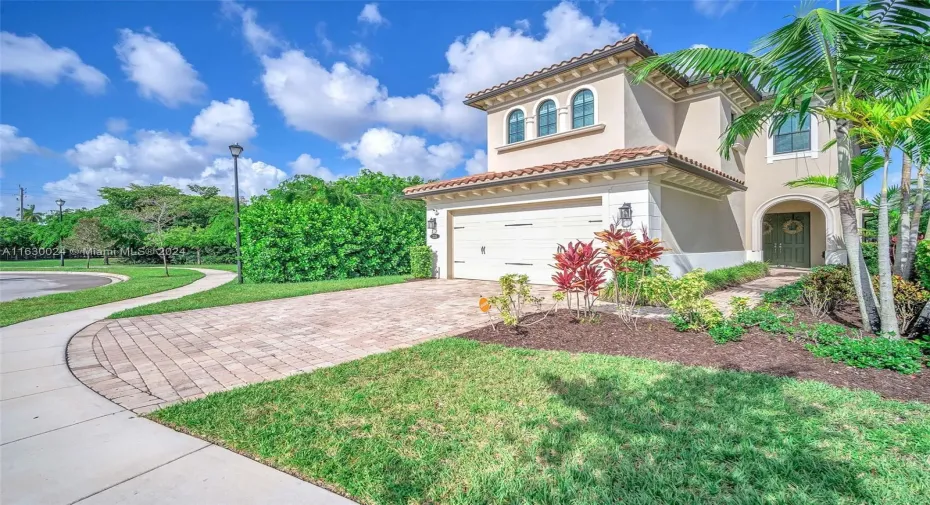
(794, 231)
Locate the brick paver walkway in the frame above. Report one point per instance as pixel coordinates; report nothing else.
(142, 363)
(755, 289)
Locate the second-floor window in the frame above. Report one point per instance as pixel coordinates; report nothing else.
(793, 136)
(547, 117)
(583, 109)
(515, 128)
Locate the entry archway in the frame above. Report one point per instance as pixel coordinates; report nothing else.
(794, 230)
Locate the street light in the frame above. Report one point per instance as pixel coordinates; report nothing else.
(236, 150)
(61, 249)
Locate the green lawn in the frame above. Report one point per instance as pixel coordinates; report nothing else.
(142, 281)
(72, 263)
(233, 293)
(454, 421)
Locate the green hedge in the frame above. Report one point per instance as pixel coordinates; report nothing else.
(421, 262)
(922, 263)
(310, 230)
(723, 278)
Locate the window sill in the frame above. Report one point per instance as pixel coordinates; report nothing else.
(771, 158)
(555, 137)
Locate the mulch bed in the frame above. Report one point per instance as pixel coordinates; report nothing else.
(657, 339)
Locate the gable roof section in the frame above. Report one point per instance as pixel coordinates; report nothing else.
(614, 160)
(629, 43)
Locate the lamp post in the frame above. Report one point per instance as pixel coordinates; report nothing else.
(61, 250)
(236, 150)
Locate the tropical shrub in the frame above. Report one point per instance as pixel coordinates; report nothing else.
(727, 331)
(827, 333)
(308, 229)
(630, 259)
(909, 300)
(579, 275)
(873, 352)
(789, 294)
(692, 311)
(766, 318)
(922, 263)
(723, 278)
(655, 287)
(825, 288)
(421, 261)
(514, 298)
(870, 254)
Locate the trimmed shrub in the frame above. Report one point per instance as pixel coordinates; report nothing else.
(922, 263)
(421, 261)
(900, 355)
(726, 331)
(824, 288)
(723, 278)
(308, 229)
(691, 311)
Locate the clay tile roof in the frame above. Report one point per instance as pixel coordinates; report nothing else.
(626, 40)
(566, 168)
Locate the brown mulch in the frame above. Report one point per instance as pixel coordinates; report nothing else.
(657, 339)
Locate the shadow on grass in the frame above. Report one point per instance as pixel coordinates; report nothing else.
(694, 436)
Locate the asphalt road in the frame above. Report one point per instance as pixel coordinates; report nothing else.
(16, 285)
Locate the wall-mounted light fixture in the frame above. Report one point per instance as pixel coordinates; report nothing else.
(625, 215)
(432, 226)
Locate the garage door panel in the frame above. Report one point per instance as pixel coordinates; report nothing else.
(520, 240)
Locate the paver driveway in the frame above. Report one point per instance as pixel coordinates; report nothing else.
(145, 362)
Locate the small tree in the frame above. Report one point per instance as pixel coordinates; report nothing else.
(89, 234)
(157, 215)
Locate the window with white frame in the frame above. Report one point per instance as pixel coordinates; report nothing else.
(793, 136)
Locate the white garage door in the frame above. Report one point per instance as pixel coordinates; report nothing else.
(491, 242)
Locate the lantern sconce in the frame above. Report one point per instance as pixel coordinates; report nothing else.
(432, 226)
(625, 216)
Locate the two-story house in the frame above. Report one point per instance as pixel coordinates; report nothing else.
(576, 146)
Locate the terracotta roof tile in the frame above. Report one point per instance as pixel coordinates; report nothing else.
(626, 40)
(615, 156)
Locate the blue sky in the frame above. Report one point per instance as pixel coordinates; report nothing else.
(108, 93)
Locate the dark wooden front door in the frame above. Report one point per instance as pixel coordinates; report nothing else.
(787, 239)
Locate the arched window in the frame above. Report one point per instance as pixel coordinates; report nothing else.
(515, 127)
(583, 109)
(547, 117)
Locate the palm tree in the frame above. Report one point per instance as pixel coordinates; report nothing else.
(809, 65)
(917, 146)
(884, 122)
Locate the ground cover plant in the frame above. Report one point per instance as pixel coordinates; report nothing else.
(728, 277)
(232, 293)
(142, 281)
(456, 421)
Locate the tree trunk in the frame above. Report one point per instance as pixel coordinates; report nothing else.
(904, 223)
(846, 187)
(198, 256)
(164, 257)
(88, 258)
(106, 256)
(885, 293)
(911, 257)
(921, 325)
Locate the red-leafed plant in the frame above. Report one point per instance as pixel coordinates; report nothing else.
(579, 274)
(629, 258)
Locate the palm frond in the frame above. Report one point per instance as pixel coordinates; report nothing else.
(814, 181)
(701, 62)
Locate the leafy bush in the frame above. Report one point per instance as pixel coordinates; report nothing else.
(421, 261)
(579, 273)
(655, 287)
(922, 263)
(873, 352)
(726, 331)
(767, 319)
(789, 294)
(824, 288)
(722, 278)
(870, 254)
(688, 303)
(514, 297)
(307, 229)
(909, 300)
(827, 333)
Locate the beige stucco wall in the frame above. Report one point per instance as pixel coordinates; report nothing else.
(818, 234)
(695, 224)
(648, 116)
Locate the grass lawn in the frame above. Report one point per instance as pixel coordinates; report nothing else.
(73, 263)
(454, 421)
(232, 293)
(142, 281)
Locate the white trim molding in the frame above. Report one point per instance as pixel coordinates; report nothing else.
(555, 137)
(812, 153)
(571, 102)
(760, 211)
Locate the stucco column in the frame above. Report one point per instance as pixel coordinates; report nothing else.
(529, 128)
(563, 120)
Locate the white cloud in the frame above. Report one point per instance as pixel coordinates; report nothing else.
(715, 8)
(223, 123)
(389, 152)
(699, 46)
(101, 152)
(32, 59)
(359, 55)
(255, 177)
(158, 68)
(478, 163)
(522, 24)
(308, 165)
(371, 15)
(117, 125)
(260, 39)
(334, 103)
(327, 44)
(12, 145)
(79, 189)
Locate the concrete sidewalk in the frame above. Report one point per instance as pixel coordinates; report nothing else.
(63, 443)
